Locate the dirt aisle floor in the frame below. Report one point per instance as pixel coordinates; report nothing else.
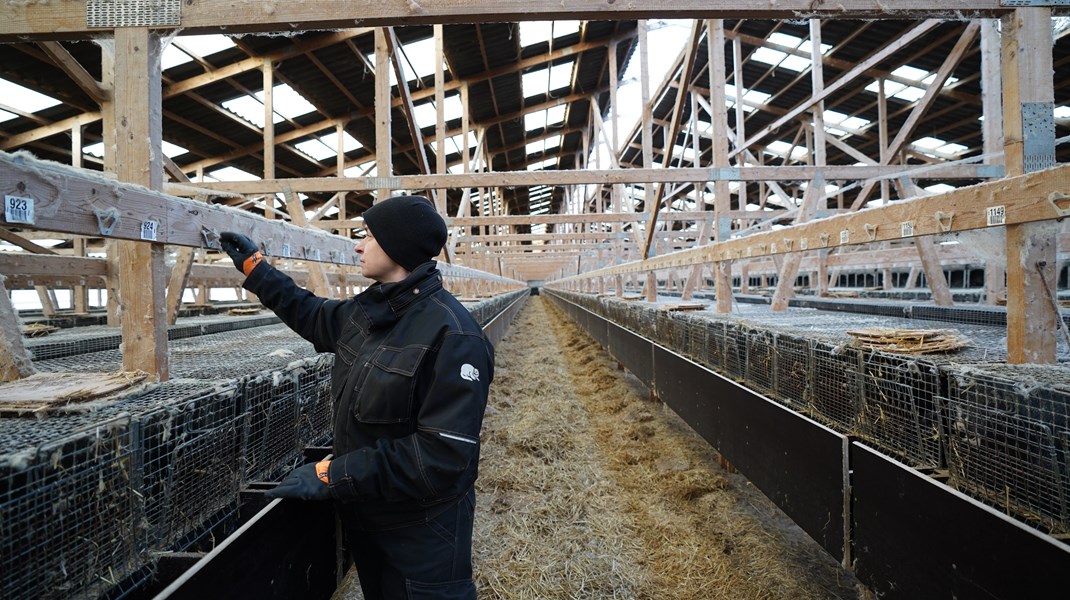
(587, 489)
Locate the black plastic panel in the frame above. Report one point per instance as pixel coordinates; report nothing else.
(795, 462)
(633, 352)
(285, 551)
(917, 538)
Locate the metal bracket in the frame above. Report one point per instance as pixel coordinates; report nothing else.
(211, 238)
(392, 183)
(1018, 3)
(107, 219)
(723, 174)
(1038, 135)
(132, 13)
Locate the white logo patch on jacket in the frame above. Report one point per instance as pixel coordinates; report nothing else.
(470, 373)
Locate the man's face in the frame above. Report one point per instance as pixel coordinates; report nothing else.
(375, 264)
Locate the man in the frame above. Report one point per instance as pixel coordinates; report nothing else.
(410, 380)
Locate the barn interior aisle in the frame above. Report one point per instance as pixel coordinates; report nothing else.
(588, 489)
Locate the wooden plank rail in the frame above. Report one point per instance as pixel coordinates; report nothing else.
(82, 202)
(67, 19)
(680, 175)
(1040, 196)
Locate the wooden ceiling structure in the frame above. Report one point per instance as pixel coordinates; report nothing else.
(816, 141)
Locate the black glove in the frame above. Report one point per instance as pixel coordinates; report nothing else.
(241, 250)
(303, 483)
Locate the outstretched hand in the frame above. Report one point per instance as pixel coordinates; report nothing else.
(241, 250)
(303, 483)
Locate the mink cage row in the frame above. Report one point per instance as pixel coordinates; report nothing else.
(1001, 435)
(88, 499)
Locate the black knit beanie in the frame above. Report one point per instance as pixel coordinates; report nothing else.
(408, 229)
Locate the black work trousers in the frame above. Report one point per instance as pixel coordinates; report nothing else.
(428, 561)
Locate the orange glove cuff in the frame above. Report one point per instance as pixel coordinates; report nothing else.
(251, 262)
(321, 470)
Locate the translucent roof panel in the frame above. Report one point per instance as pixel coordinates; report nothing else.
(231, 174)
(24, 99)
(169, 150)
(287, 102)
(204, 45)
(349, 143)
(426, 114)
(534, 32)
(172, 56)
(316, 149)
(421, 58)
(543, 145)
(542, 164)
(542, 81)
(545, 118)
(6, 116)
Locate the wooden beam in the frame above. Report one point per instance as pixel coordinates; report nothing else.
(600, 176)
(67, 20)
(384, 166)
(16, 239)
(74, 70)
(1024, 199)
(70, 200)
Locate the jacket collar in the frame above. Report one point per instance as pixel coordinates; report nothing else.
(382, 304)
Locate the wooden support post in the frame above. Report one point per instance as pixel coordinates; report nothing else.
(1028, 95)
(80, 300)
(440, 121)
(139, 125)
(317, 279)
(15, 363)
(383, 151)
(651, 286)
(269, 127)
(992, 138)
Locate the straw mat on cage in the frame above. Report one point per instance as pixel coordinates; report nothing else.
(908, 341)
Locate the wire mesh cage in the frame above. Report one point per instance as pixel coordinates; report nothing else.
(1007, 443)
(794, 377)
(836, 388)
(68, 527)
(899, 413)
(315, 405)
(761, 360)
(735, 350)
(698, 338)
(671, 330)
(191, 465)
(271, 424)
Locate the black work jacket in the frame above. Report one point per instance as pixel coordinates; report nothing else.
(410, 381)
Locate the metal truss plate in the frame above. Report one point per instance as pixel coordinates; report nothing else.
(1038, 129)
(1017, 3)
(132, 13)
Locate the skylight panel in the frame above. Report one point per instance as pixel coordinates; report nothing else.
(542, 145)
(890, 87)
(909, 72)
(251, 109)
(535, 32)
(780, 148)
(204, 45)
(169, 150)
(287, 102)
(316, 149)
(929, 143)
(6, 116)
(1062, 112)
(426, 114)
(542, 164)
(545, 118)
(768, 55)
(232, 174)
(909, 94)
(421, 57)
(940, 188)
(24, 99)
(784, 39)
(349, 143)
(540, 82)
(172, 56)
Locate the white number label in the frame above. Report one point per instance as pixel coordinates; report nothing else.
(845, 236)
(803, 244)
(997, 215)
(286, 251)
(906, 229)
(18, 210)
(316, 254)
(149, 230)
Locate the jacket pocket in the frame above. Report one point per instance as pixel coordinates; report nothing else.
(386, 394)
